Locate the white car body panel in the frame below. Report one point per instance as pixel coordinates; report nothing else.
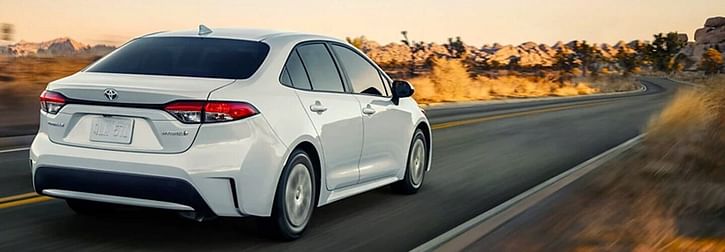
(340, 133)
(235, 166)
(384, 152)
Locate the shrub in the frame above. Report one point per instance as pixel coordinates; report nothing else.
(450, 79)
(711, 61)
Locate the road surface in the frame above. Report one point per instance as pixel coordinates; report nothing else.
(483, 155)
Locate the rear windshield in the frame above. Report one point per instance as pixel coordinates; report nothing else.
(186, 56)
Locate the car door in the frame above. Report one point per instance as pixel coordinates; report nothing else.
(334, 113)
(385, 125)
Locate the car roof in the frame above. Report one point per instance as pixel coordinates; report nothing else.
(245, 34)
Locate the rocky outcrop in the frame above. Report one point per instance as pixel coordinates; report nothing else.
(528, 54)
(712, 35)
(66, 47)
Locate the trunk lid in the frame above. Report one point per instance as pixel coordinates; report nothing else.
(134, 120)
(136, 89)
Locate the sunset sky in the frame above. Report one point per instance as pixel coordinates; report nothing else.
(477, 22)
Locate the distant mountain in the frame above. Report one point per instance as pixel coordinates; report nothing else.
(54, 48)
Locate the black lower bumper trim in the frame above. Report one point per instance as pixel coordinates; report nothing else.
(121, 184)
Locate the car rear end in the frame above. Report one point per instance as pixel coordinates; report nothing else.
(137, 128)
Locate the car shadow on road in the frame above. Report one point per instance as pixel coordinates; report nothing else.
(130, 228)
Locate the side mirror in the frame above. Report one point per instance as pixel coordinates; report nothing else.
(401, 89)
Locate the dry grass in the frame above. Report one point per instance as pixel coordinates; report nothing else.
(677, 176)
(686, 148)
(29, 75)
(667, 194)
(21, 81)
(450, 82)
(610, 83)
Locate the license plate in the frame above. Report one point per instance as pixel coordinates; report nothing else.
(112, 130)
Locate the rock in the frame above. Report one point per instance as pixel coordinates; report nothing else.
(682, 37)
(712, 35)
(57, 47)
(715, 22)
(699, 33)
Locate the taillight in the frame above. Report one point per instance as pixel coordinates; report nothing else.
(51, 102)
(210, 112)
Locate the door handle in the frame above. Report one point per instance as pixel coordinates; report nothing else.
(317, 107)
(368, 110)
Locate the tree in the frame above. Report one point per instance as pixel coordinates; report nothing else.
(661, 52)
(711, 61)
(356, 41)
(565, 62)
(628, 61)
(587, 56)
(514, 63)
(6, 32)
(414, 47)
(456, 48)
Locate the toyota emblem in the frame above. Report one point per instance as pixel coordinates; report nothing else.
(110, 93)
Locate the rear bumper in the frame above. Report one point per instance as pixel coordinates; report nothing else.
(120, 188)
(153, 191)
(231, 170)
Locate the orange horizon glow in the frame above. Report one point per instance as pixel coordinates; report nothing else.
(476, 22)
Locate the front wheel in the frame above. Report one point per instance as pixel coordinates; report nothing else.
(417, 165)
(295, 198)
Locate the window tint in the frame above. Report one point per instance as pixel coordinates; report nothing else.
(296, 71)
(284, 78)
(320, 68)
(186, 56)
(365, 78)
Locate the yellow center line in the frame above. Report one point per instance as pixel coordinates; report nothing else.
(29, 198)
(24, 201)
(509, 115)
(18, 197)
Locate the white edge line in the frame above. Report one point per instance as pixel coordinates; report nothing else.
(480, 219)
(684, 82)
(15, 149)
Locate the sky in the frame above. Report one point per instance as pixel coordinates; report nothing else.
(476, 22)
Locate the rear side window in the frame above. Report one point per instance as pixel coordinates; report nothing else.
(186, 56)
(320, 68)
(365, 78)
(296, 71)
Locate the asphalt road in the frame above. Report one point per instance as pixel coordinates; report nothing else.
(493, 153)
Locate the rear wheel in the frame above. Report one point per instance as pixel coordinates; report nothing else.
(417, 165)
(295, 198)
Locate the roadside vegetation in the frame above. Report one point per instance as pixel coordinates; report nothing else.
(449, 81)
(21, 81)
(674, 185)
(665, 194)
(453, 72)
(33, 73)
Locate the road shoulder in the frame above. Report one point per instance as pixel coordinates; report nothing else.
(614, 208)
(468, 233)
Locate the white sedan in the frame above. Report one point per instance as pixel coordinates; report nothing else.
(230, 122)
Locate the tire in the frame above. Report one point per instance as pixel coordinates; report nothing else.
(295, 199)
(416, 165)
(84, 207)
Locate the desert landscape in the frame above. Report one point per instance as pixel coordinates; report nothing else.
(546, 126)
(450, 72)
